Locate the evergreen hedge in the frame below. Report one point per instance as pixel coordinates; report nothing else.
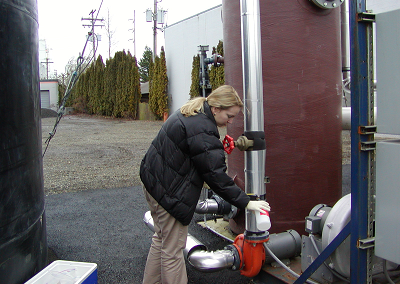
(111, 89)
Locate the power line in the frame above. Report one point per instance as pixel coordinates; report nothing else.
(92, 36)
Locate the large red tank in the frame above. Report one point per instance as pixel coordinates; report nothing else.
(302, 106)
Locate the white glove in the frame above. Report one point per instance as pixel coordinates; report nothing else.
(258, 205)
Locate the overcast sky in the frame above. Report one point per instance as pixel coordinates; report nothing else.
(61, 26)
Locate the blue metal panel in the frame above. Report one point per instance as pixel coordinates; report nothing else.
(360, 116)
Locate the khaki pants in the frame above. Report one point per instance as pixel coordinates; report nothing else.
(165, 261)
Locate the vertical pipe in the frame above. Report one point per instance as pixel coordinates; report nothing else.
(253, 99)
(345, 45)
(203, 55)
(345, 48)
(361, 115)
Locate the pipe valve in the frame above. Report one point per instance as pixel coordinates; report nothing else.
(242, 143)
(250, 141)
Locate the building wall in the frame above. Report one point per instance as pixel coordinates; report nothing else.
(52, 87)
(181, 44)
(381, 6)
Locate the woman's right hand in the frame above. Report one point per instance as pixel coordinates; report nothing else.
(258, 205)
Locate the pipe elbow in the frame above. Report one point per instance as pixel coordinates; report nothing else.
(198, 256)
(216, 205)
(207, 206)
(211, 261)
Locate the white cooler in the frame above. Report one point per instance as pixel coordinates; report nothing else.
(66, 272)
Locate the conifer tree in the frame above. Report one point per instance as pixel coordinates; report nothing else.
(61, 92)
(134, 89)
(195, 86)
(163, 83)
(91, 87)
(217, 73)
(144, 65)
(80, 98)
(109, 86)
(119, 83)
(99, 85)
(153, 86)
(158, 95)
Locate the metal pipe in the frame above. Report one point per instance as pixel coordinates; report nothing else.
(148, 220)
(209, 206)
(283, 245)
(216, 205)
(253, 99)
(192, 244)
(345, 38)
(206, 261)
(197, 254)
(346, 117)
(345, 48)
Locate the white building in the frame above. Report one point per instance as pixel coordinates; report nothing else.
(181, 44)
(48, 87)
(49, 94)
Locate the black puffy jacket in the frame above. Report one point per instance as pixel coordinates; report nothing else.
(185, 153)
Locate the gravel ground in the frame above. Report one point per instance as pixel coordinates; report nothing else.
(90, 152)
(94, 152)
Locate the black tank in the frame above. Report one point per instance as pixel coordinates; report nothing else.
(23, 246)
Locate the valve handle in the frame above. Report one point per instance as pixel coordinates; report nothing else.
(228, 143)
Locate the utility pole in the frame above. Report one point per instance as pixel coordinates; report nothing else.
(157, 17)
(155, 31)
(91, 34)
(47, 62)
(134, 32)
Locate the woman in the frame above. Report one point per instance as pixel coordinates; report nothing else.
(186, 153)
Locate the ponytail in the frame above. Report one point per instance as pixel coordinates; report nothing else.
(193, 107)
(223, 97)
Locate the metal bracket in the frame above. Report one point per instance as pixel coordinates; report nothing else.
(368, 146)
(367, 130)
(366, 17)
(366, 243)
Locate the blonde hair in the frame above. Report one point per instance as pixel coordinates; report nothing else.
(223, 97)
